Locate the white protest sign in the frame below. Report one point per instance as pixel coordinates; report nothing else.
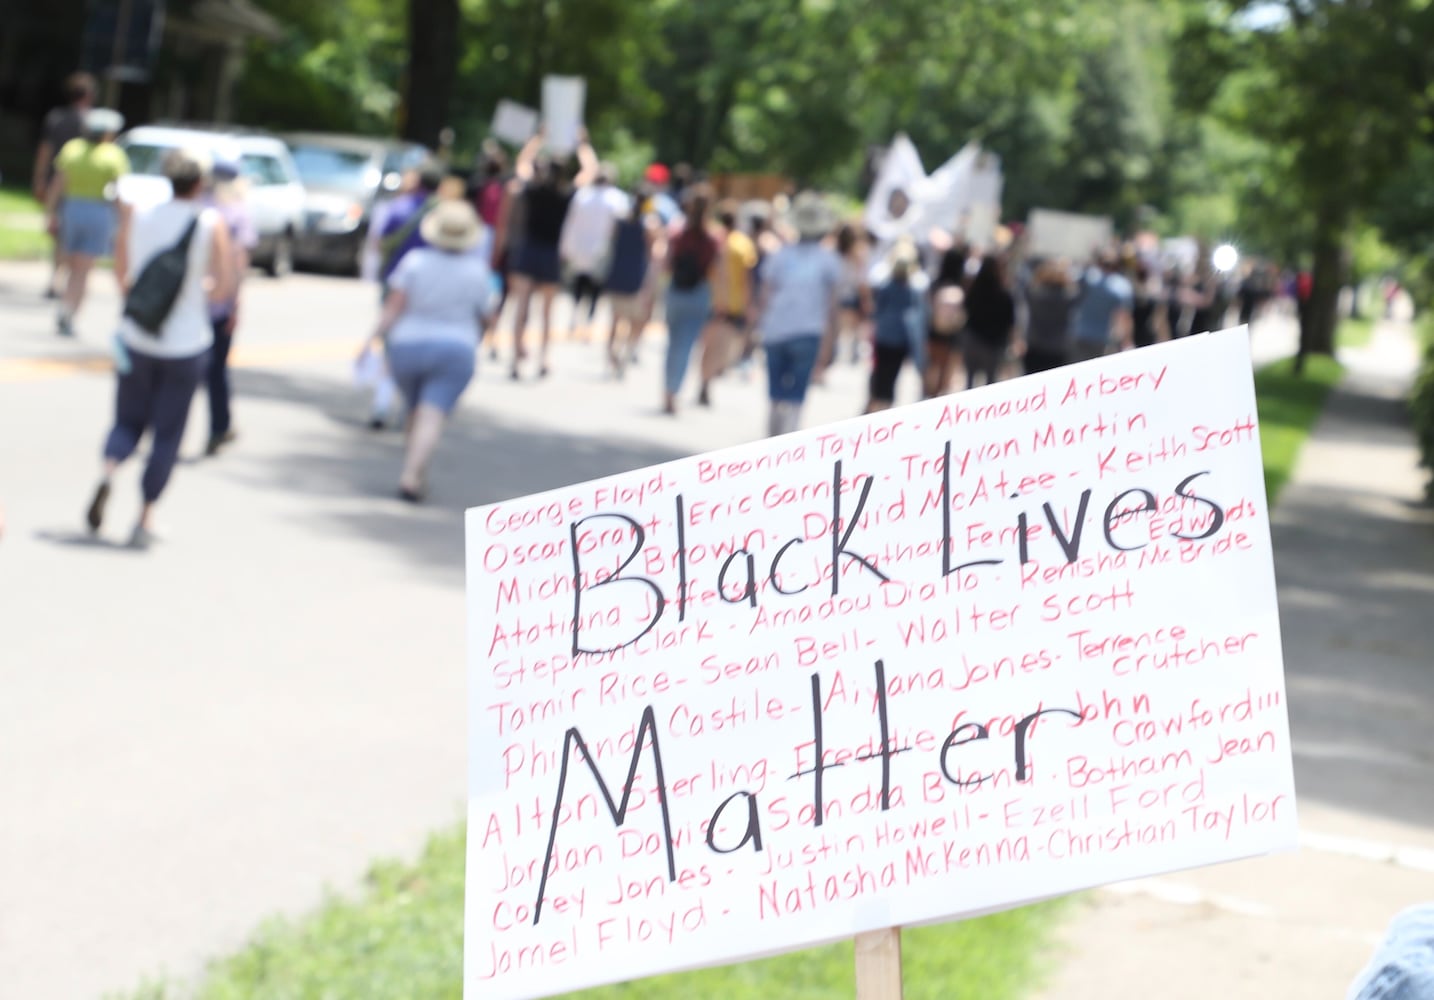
(1066, 234)
(514, 123)
(931, 662)
(563, 98)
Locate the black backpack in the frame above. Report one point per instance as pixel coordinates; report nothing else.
(687, 270)
(152, 296)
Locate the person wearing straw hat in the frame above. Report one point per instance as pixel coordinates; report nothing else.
(82, 207)
(801, 286)
(432, 322)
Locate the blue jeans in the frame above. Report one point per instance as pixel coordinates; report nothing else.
(687, 312)
(789, 367)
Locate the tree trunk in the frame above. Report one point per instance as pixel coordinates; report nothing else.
(1320, 315)
(432, 66)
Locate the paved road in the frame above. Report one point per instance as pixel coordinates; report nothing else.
(198, 737)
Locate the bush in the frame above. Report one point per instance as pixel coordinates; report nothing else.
(1421, 406)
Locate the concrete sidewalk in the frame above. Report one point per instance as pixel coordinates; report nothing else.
(1354, 555)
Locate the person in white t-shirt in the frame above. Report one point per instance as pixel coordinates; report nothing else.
(587, 238)
(158, 372)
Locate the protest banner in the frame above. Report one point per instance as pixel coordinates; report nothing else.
(1066, 234)
(963, 195)
(514, 123)
(939, 660)
(563, 98)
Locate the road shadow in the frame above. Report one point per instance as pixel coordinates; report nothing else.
(84, 540)
(483, 458)
(1356, 582)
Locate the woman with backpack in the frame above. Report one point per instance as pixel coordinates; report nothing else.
(690, 256)
(172, 261)
(631, 254)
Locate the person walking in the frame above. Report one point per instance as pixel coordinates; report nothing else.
(537, 262)
(731, 298)
(990, 321)
(630, 258)
(1050, 303)
(490, 195)
(431, 325)
(160, 368)
(899, 320)
(82, 205)
(855, 294)
(948, 320)
(691, 252)
(230, 199)
(1145, 305)
(587, 239)
(801, 300)
(1103, 314)
(61, 125)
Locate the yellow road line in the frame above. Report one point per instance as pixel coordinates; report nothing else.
(243, 356)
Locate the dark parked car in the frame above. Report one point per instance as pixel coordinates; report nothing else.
(344, 177)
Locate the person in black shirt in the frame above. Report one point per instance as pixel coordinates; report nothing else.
(535, 263)
(61, 125)
(990, 321)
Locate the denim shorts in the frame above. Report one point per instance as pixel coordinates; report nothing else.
(789, 367)
(434, 372)
(538, 262)
(87, 226)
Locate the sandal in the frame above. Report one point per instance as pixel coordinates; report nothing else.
(95, 516)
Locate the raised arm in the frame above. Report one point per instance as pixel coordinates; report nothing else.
(528, 157)
(588, 163)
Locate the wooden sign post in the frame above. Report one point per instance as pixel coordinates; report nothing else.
(878, 965)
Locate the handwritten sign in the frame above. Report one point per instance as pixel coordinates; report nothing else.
(943, 659)
(514, 123)
(1065, 234)
(563, 99)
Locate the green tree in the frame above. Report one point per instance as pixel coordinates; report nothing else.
(1339, 90)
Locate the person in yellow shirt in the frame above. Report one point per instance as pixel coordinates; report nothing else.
(731, 298)
(81, 206)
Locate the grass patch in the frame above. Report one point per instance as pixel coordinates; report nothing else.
(17, 201)
(403, 937)
(22, 234)
(1289, 405)
(1354, 333)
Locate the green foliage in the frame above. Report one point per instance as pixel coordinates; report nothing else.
(404, 938)
(1288, 406)
(338, 67)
